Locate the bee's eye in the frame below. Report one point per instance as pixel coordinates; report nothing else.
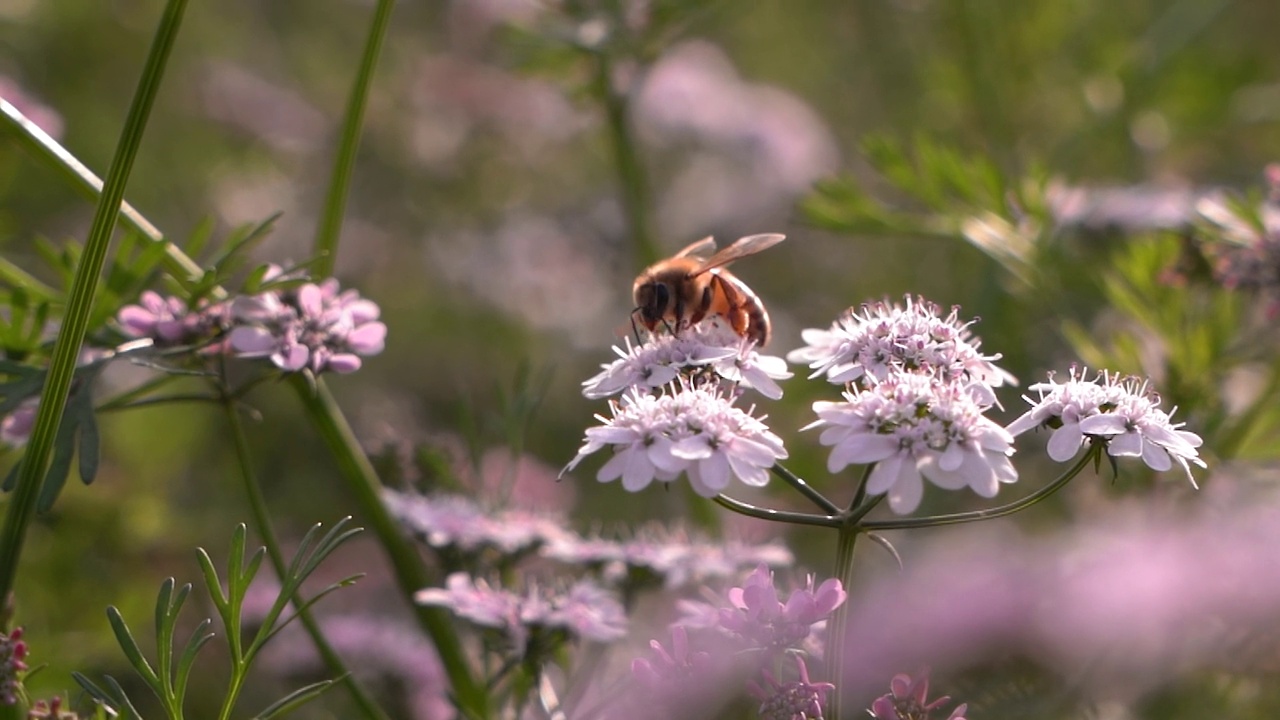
(661, 296)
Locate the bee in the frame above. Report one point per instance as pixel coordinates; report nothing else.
(692, 284)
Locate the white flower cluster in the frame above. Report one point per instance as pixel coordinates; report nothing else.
(664, 358)
(692, 430)
(882, 339)
(913, 425)
(917, 391)
(1118, 411)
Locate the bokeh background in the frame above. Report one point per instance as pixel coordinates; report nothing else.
(486, 220)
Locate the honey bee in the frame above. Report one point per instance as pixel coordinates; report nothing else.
(692, 284)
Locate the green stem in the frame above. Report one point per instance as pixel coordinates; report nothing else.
(411, 573)
(335, 202)
(838, 629)
(29, 135)
(956, 518)
(806, 489)
(1233, 438)
(631, 173)
(80, 302)
(262, 520)
(782, 516)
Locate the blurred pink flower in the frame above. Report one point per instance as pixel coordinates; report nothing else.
(907, 700)
(757, 614)
(755, 147)
(583, 609)
(376, 648)
(799, 699)
(13, 652)
(15, 428)
(1129, 598)
(43, 116)
(168, 321)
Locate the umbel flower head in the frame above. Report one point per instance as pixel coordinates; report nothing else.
(692, 430)
(706, 347)
(13, 653)
(913, 425)
(674, 555)
(757, 614)
(908, 700)
(314, 326)
(585, 610)
(168, 321)
(881, 339)
(1121, 412)
(799, 699)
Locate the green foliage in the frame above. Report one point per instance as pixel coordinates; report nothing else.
(941, 193)
(169, 680)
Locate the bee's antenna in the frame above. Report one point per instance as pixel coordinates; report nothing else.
(635, 331)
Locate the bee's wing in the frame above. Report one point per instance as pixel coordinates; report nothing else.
(701, 249)
(749, 245)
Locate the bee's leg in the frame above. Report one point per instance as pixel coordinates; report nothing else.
(635, 331)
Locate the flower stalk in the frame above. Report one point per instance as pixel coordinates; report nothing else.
(262, 521)
(80, 301)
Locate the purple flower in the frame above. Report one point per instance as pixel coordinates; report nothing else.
(757, 613)
(584, 609)
(695, 430)
(168, 321)
(13, 651)
(799, 699)
(313, 327)
(1121, 412)
(678, 557)
(664, 357)
(907, 701)
(882, 339)
(913, 426)
(456, 521)
(15, 428)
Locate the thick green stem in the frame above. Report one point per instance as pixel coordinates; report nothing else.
(335, 202)
(837, 630)
(262, 521)
(80, 302)
(410, 571)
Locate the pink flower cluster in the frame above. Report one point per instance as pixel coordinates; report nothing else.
(584, 609)
(13, 653)
(760, 626)
(315, 326)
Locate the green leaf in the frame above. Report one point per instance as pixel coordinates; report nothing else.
(211, 580)
(199, 637)
(239, 244)
(88, 448)
(131, 650)
(199, 236)
(295, 699)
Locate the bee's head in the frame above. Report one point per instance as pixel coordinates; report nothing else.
(653, 299)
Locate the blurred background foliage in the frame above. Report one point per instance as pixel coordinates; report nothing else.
(488, 220)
